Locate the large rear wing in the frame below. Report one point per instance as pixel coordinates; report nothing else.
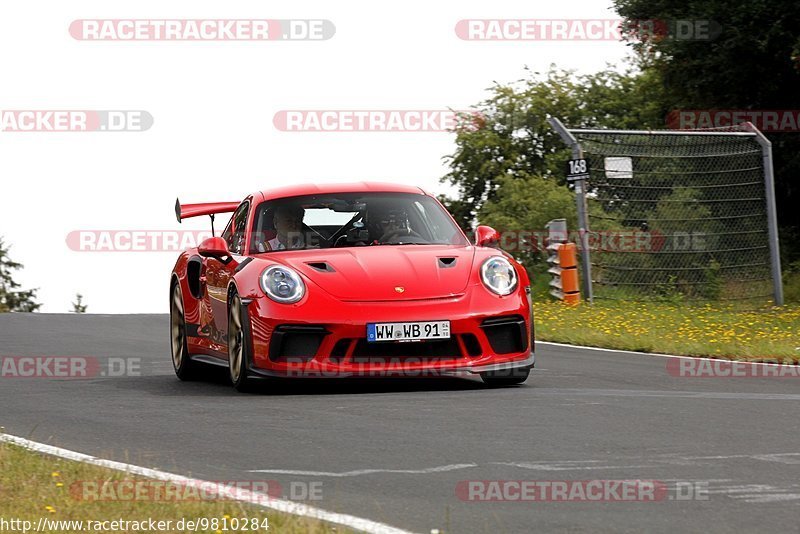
(185, 211)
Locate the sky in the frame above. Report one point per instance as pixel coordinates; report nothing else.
(213, 103)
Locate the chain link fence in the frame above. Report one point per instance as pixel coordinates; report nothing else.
(677, 214)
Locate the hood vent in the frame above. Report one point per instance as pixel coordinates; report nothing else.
(321, 266)
(446, 263)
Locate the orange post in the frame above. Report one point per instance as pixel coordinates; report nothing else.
(567, 255)
(568, 261)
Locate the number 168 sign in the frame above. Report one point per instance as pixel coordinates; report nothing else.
(577, 169)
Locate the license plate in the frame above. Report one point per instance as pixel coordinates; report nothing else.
(408, 331)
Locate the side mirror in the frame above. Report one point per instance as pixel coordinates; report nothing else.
(486, 236)
(214, 247)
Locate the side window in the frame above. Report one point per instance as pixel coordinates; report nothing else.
(227, 233)
(235, 232)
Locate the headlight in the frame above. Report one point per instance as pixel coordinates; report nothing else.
(282, 284)
(499, 275)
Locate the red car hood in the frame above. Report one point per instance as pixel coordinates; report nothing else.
(386, 272)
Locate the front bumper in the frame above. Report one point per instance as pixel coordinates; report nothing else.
(376, 371)
(487, 334)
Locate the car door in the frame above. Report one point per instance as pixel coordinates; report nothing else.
(219, 273)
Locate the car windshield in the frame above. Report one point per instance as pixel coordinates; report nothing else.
(352, 220)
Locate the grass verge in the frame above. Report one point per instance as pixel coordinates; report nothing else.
(718, 330)
(34, 486)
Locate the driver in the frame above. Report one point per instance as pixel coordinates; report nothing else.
(393, 223)
(288, 222)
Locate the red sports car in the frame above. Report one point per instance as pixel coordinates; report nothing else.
(342, 280)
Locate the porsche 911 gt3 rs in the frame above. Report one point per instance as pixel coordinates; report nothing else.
(343, 280)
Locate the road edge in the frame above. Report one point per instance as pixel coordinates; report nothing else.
(638, 353)
(237, 494)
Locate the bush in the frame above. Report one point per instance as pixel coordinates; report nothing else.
(791, 283)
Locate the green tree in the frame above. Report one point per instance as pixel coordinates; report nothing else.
(509, 136)
(11, 298)
(754, 63)
(526, 205)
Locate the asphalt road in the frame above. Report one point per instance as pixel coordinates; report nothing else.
(394, 451)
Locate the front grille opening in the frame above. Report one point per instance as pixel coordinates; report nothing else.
(506, 334)
(472, 345)
(340, 350)
(295, 342)
(442, 349)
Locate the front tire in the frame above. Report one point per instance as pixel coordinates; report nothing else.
(185, 367)
(239, 353)
(507, 377)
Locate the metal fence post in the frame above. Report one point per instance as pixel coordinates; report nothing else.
(690, 213)
(772, 220)
(580, 199)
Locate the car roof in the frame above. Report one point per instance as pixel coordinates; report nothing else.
(351, 187)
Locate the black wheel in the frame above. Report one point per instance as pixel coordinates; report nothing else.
(185, 368)
(239, 353)
(508, 377)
